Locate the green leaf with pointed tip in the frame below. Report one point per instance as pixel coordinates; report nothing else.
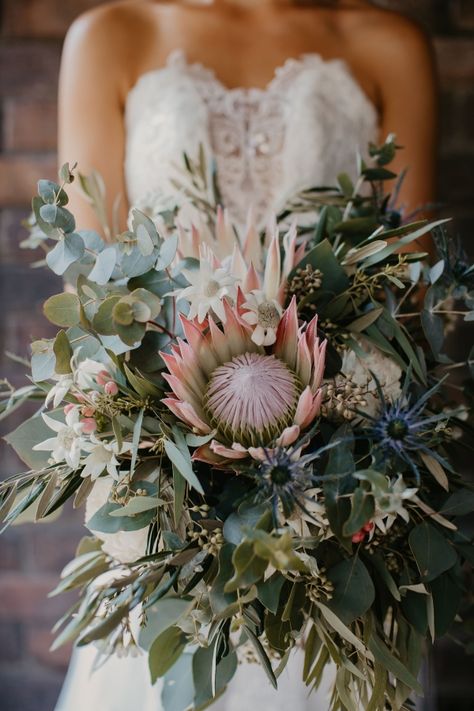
(183, 464)
(63, 352)
(432, 552)
(218, 598)
(247, 565)
(165, 651)
(354, 590)
(362, 510)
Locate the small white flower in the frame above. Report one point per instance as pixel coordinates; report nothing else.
(208, 287)
(85, 373)
(265, 314)
(68, 443)
(389, 503)
(59, 391)
(102, 455)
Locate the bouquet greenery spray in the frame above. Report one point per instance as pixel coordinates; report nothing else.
(262, 430)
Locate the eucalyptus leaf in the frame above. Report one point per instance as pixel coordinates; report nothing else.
(63, 309)
(354, 590)
(431, 550)
(165, 651)
(104, 266)
(68, 250)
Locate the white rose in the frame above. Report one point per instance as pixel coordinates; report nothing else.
(124, 546)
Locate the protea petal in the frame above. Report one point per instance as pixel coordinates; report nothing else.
(289, 245)
(227, 452)
(251, 281)
(225, 234)
(220, 343)
(287, 336)
(182, 390)
(305, 403)
(304, 364)
(271, 279)
(319, 356)
(205, 454)
(238, 267)
(288, 436)
(252, 248)
(184, 411)
(308, 407)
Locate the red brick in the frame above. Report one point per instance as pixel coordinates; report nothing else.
(11, 641)
(42, 18)
(26, 687)
(38, 642)
(19, 174)
(11, 557)
(51, 546)
(455, 180)
(455, 56)
(12, 233)
(24, 597)
(29, 125)
(29, 69)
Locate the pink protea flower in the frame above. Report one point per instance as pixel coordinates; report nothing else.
(248, 397)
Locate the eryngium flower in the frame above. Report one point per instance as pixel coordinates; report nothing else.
(403, 431)
(248, 397)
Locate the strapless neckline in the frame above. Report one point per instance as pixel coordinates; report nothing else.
(308, 124)
(281, 74)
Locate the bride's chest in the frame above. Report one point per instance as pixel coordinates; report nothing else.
(308, 122)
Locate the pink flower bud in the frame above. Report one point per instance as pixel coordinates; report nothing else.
(368, 527)
(88, 411)
(102, 377)
(67, 408)
(89, 425)
(111, 388)
(79, 397)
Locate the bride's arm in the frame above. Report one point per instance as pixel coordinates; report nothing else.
(406, 78)
(91, 89)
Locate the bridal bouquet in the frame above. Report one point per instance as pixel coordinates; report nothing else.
(263, 432)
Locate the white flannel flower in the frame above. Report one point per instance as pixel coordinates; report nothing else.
(208, 286)
(59, 391)
(389, 503)
(265, 314)
(124, 546)
(102, 456)
(85, 373)
(68, 443)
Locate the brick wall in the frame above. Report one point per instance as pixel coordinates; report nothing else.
(32, 32)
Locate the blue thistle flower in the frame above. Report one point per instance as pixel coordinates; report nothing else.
(403, 431)
(283, 476)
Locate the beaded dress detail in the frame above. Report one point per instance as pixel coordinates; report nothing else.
(302, 129)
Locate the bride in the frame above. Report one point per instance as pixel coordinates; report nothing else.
(282, 94)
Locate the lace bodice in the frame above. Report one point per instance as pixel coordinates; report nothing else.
(302, 129)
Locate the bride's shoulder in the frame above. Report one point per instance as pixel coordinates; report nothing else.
(112, 21)
(386, 36)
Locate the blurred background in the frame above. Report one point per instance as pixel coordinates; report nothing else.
(31, 558)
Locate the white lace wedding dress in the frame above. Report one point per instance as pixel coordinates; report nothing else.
(303, 129)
